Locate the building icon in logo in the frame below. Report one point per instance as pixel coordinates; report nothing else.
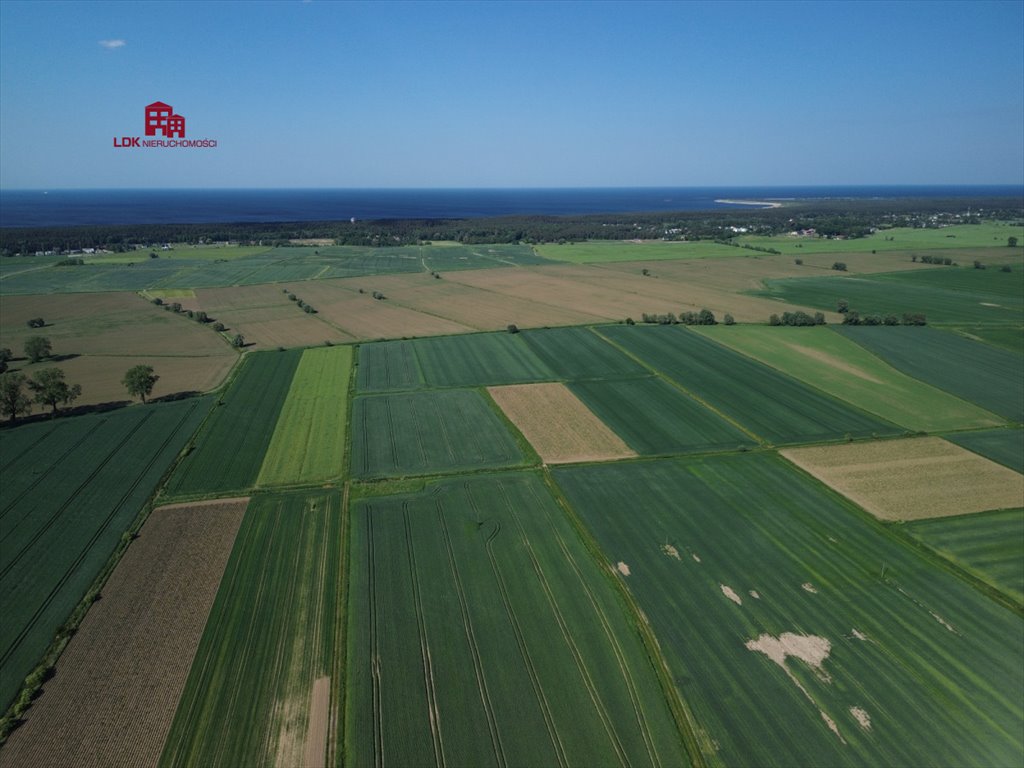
(160, 119)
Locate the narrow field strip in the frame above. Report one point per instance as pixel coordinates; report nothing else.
(559, 427)
(912, 479)
(308, 444)
(118, 682)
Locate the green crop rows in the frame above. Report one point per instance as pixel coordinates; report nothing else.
(969, 369)
(1005, 446)
(579, 353)
(479, 359)
(425, 432)
(230, 448)
(387, 366)
(482, 633)
(272, 632)
(770, 404)
(308, 444)
(730, 550)
(71, 489)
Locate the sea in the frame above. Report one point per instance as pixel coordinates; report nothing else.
(56, 207)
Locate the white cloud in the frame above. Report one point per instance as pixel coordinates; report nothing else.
(112, 44)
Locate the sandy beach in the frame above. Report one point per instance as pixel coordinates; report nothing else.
(762, 203)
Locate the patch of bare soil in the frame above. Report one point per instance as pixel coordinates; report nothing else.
(316, 738)
(808, 587)
(117, 685)
(861, 717)
(731, 594)
(622, 568)
(671, 551)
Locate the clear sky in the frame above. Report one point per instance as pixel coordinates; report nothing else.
(549, 94)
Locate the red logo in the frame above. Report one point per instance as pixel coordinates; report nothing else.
(161, 121)
(160, 118)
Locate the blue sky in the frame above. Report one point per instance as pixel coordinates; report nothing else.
(329, 94)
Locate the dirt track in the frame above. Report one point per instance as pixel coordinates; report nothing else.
(117, 685)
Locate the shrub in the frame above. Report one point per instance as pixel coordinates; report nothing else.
(774, 320)
(1005, 268)
(839, 266)
(798, 261)
(728, 319)
(158, 301)
(36, 322)
(218, 327)
(512, 328)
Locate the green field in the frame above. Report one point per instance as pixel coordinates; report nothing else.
(1008, 338)
(420, 433)
(71, 487)
(481, 632)
(308, 444)
(1005, 446)
(953, 295)
(479, 359)
(841, 367)
(386, 366)
(273, 632)
(597, 251)
(773, 406)
(653, 417)
(987, 235)
(228, 452)
(989, 545)
(972, 370)
(579, 353)
(932, 666)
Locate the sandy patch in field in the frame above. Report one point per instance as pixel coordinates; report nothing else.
(754, 594)
(622, 568)
(808, 587)
(730, 593)
(861, 717)
(557, 424)
(671, 551)
(695, 556)
(319, 711)
(912, 479)
(833, 362)
(116, 687)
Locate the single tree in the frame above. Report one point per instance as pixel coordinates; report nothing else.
(512, 328)
(728, 319)
(50, 389)
(218, 327)
(139, 381)
(238, 342)
(36, 322)
(1011, 242)
(13, 400)
(839, 266)
(843, 306)
(37, 347)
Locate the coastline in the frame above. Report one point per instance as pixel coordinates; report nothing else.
(762, 203)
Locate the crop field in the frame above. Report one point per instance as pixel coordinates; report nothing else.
(262, 688)
(228, 452)
(832, 362)
(479, 359)
(119, 680)
(579, 353)
(632, 250)
(984, 235)
(71, 488)
(387, 366)
(559, 427)
(771, 405)
(989, 545)
(1003, 445)
(308, 444)
(421, 433)
(955, 295)
(654, 417)
(481, 633)
(912, 479)
(1008, 338)
(798, 630)
(972, 370)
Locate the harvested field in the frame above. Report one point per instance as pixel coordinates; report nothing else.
(117, 684)
(559, 427)
(912, 479)
(285, 326)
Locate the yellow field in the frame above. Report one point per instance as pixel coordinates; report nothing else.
(559, 427)
(912, 479)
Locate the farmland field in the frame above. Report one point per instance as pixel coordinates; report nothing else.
(1008, 338)
(482, 633)
(579, 353)
(559, 427)
(426, 432)
(989, 545)
(1003, 445)
(71, 488)
(654, 417)
(229, 450)
(308, 444)
(773, 406)
(261, 689)
(946, 295)
(798, 630)
(839, 366)
(632, 250)
(386, 366)
(969, 369)
(985, 235)
(912, 479)
(479, 359)
(117, 684)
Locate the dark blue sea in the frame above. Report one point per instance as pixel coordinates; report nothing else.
(35, 208)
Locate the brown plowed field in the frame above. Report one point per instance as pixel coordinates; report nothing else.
(559, 427)
(117, 684)
(912, 479)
